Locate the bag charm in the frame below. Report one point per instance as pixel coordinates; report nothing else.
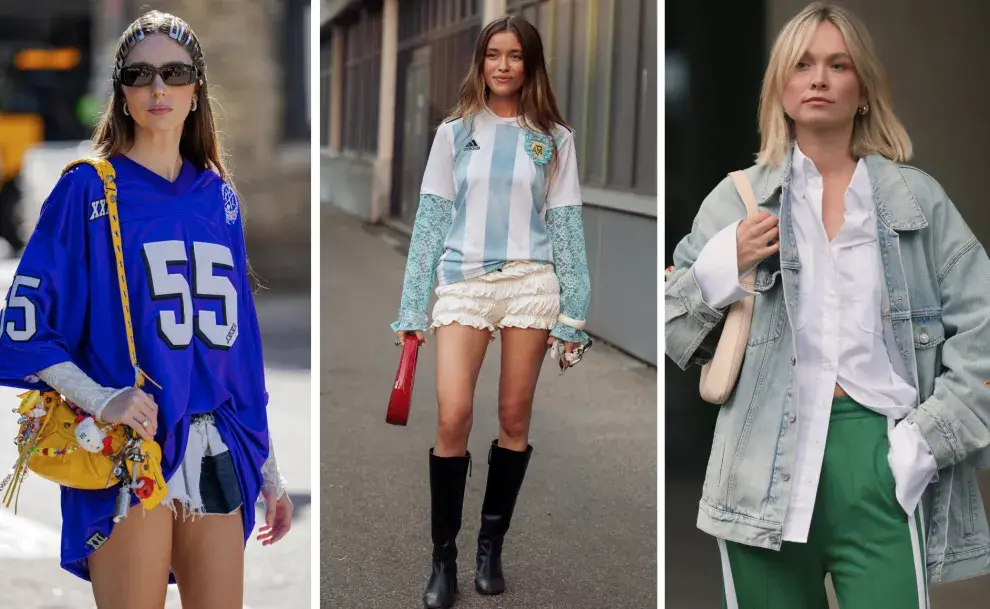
(91, 438)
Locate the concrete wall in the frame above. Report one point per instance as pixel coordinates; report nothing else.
(933, 52)
(346, 183)
(622, 260)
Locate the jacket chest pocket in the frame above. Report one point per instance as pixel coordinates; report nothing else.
(769, 312)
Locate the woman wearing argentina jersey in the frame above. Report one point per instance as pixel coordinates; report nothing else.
(863, 380)
(499, 227)
(195, 327)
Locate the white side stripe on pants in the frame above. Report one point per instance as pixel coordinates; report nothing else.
(730, 588)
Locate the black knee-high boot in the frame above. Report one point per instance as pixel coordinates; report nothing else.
(447, 479)
(506, 470)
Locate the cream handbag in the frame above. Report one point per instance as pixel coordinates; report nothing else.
(718, 377)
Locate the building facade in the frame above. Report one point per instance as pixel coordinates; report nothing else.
(390, 72)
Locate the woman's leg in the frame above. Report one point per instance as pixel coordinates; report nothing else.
(523, 351)
(130, 570)
(208, 561)
(460, 353)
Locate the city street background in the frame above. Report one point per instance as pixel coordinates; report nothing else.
(276, 577)
(584, 531)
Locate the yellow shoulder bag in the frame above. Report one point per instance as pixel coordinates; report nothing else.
(47, 439)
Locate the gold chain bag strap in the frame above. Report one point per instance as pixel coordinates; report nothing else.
(719, 376)
(62, 443)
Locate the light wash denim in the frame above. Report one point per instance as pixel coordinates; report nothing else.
(936, 321)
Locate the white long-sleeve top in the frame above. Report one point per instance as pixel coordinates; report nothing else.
(838, 335)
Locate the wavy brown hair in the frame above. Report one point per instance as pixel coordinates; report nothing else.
(538, 110)
(200, 141)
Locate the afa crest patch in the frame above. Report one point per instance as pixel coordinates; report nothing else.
(539, 147)
(230, 203)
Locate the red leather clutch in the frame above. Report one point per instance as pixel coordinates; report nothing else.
(402, 390)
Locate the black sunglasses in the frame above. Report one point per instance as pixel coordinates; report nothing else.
(143, 74)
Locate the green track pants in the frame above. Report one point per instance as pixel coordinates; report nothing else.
(859, 534)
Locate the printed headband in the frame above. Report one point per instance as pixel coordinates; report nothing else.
(177, 29)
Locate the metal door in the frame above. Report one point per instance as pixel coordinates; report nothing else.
(416, 131)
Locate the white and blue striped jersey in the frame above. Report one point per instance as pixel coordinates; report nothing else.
(495, 172)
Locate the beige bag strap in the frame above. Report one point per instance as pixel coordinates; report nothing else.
(719, 376)
(745, 190)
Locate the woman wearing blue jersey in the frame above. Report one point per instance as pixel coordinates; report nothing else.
(195, 330)
(499, 227)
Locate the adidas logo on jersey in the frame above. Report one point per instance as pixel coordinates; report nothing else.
(99, 209)
(472, 145)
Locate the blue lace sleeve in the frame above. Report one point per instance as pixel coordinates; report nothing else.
(433, 219)
(571, 261)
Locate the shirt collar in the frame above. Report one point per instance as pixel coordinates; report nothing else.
(803, 171)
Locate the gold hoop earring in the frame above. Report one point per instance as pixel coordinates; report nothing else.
(195, 104)
(126, 111)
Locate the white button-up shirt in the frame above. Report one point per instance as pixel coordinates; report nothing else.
(838, 335)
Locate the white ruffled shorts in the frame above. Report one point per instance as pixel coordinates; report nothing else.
(519, 295)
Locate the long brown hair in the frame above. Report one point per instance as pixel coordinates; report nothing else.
(538, 110)
(200, 141)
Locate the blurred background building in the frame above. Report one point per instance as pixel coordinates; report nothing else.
(714, 69)
(55, 61)
(390, 72)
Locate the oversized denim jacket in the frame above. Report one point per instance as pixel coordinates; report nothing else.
(936, 320)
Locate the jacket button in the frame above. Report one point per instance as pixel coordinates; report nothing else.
(785, 476)
(774, 537)
(793, 361)
(790, 417)
(924, 339)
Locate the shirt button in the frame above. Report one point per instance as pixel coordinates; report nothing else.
(785, 476)
(793, 361)
(924, 339)
(791, 417)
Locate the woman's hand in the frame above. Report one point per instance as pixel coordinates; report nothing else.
(133, 408)
(756, 239)
(568, 348)
(278, 517)
(401, 336)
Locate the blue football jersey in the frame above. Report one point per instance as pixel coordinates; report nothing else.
(195, 326)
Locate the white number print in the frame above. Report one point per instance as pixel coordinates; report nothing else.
(18, 301)
(177, 331)
(206, 258)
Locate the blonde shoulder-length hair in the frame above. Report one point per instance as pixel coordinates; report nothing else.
(878, 131)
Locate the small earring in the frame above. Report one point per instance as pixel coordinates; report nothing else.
(864, 109)
(126, 111)
(195, 104)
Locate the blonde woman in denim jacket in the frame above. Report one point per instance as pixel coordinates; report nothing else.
(850, 443)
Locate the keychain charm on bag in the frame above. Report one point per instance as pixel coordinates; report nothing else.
(567, 360)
